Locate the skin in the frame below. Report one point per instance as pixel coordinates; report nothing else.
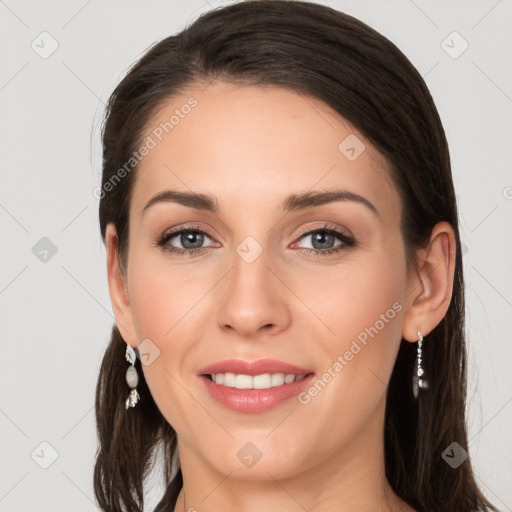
(251, 147)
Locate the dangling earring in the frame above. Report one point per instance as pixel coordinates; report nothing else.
(132, 378)
(418, 379)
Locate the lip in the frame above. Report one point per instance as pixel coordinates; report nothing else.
(252, 368)
(254, 400)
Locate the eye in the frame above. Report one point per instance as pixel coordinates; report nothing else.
(322, 240)
(191, 239)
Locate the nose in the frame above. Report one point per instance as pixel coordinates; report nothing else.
(254, 300)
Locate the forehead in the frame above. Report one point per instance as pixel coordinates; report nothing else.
(251, 146)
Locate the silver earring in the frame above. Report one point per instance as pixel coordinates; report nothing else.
(418, 378)
(132, 378)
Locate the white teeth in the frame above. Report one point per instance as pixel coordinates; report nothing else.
(263, 381)
(277, 379)
(243, 382)
(229, 379)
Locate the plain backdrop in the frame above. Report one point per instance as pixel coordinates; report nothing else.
(60, 61)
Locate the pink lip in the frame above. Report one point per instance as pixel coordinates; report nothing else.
(253, 367)
(254, 400)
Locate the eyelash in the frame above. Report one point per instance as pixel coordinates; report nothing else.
(348, 241)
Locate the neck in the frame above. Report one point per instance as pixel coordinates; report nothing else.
(350, 480)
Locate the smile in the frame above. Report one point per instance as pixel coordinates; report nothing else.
(262, 381)
(254, 386)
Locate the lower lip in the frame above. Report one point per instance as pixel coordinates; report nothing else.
(255, 400)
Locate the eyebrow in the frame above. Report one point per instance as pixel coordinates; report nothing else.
(293, 202)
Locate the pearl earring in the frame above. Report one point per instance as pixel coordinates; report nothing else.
(132, 378)
(418, 379)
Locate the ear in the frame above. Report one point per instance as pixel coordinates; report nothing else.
(430, 286)
(118, 288)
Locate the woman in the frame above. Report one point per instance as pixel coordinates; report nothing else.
(285, 271)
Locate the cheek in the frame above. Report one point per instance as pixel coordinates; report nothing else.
(166, 307)
(362, 305)
(365, 291)
(163, 298)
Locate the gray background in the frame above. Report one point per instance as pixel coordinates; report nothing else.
(56, 313)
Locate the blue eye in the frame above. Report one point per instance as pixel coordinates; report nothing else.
(192, 238)
(323, 237)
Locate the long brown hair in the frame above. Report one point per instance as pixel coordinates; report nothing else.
(317, 51)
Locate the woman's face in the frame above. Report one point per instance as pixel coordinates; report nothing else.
(261, 286)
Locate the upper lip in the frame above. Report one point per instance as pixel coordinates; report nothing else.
(258, 367)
